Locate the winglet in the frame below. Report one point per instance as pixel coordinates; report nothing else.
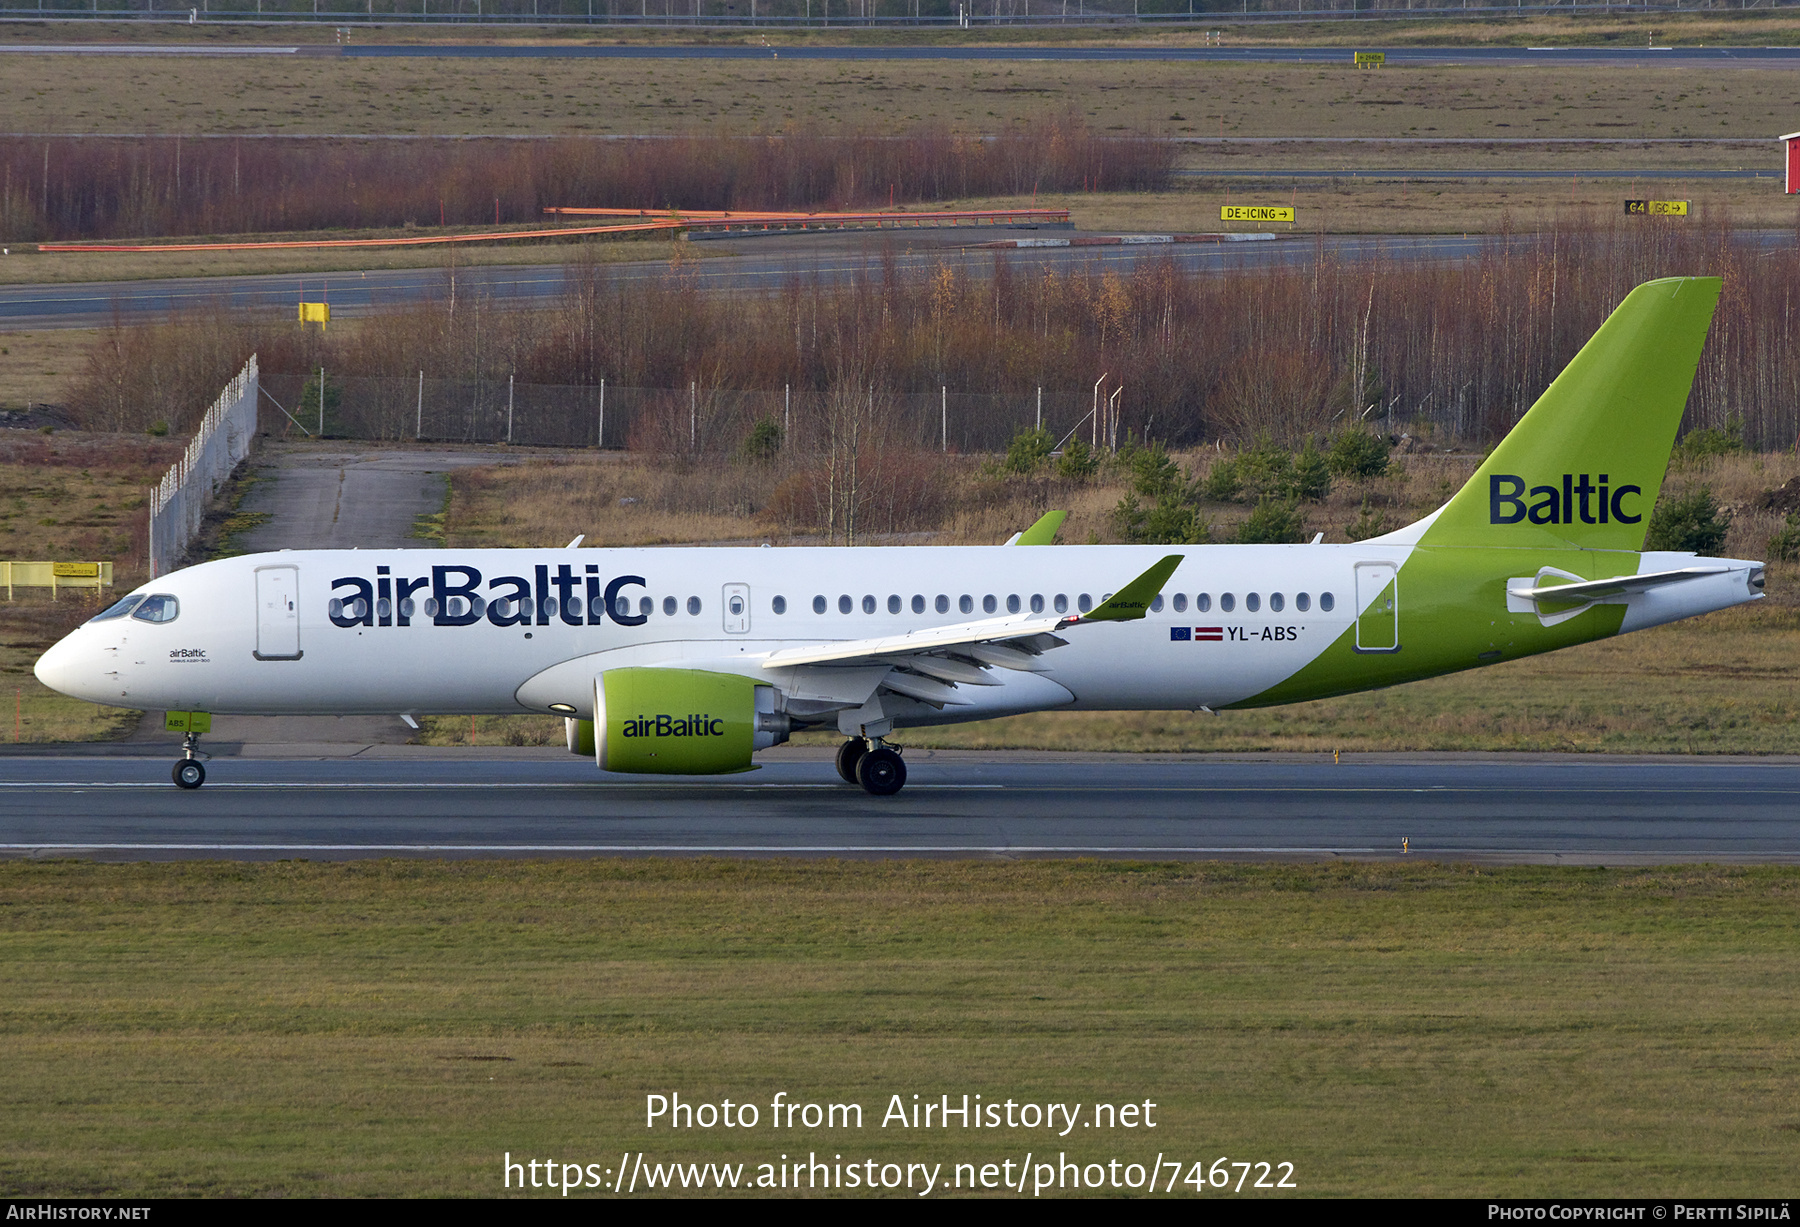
(1133, 600)
(1043, 532)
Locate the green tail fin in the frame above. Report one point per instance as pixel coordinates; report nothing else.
(1584, 466)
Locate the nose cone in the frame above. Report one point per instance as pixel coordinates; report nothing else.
(68, 669)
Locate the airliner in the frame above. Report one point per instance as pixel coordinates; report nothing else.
(689, 661)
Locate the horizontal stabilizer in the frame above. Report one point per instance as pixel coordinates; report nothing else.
(1600, 589)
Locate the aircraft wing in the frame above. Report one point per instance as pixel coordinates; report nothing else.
(959, 653)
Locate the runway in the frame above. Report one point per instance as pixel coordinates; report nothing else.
(413, 801)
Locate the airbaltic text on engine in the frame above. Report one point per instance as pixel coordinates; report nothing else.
(697, 725)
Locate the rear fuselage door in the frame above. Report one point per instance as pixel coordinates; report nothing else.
(277, 613)
(737, 609)
(1377, 607)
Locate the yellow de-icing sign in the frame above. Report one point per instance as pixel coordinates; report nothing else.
(1658, 208)
(315, 313)
(1256, 213)
(1371, 59)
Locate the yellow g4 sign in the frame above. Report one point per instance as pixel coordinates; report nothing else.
(1658, 208)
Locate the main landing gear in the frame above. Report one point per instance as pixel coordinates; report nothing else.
(878, 768)
(189, 771)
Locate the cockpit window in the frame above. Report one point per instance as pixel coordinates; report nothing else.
(159, 608)
(119, 608)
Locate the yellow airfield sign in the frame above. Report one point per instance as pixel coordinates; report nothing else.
(1658, 208)
(1371, 59)
(1256, 213)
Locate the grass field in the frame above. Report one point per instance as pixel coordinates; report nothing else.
(393, 1028)
(62, 94)
(43, 268)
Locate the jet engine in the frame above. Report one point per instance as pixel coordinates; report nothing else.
(678, 722)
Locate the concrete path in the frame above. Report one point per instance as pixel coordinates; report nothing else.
(335, 496)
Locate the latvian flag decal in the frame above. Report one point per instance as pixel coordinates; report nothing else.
(1202, 634)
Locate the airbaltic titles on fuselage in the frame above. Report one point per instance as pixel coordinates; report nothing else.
(456, 598)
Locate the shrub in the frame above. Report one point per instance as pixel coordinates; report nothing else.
(1691, 521)
(764, 442)
(1273, 523)
(1359, 454)
(1711, 441)
(1784, 546)
(1367, 524)
(1267, 473)
(1170, 521)
(1311, 474)
(1077, 463)
(1029, 451)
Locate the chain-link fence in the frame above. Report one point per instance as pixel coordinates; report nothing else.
(692, 420)
(179, 499)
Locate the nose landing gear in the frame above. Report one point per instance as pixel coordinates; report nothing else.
(189, 771)
(878, 768)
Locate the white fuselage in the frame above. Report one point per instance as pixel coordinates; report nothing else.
(1286, 603)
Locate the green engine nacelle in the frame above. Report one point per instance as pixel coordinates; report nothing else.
(681, 721)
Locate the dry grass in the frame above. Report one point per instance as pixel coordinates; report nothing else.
(36, 367)
(74, 497)
(35, 268)
(385, 1028)
(1390, 204)
(539, 97)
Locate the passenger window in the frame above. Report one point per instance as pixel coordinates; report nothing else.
(1156, 603)
(119, 608)
(966, 603)
(1252, 603)
(1276, 602)
(942, 604)
(1181, 602)
(1326, 601)
(1302, 602)
(1037, 603)
(1084, 602)
(1061, 604)
(431, 607)
(779, 604)
(407, 608)
(646, 606)
(868, 604)
(694, 606)
(669, 606)
(1012, 603)
(893, 604)
(818, 604)
(1227, 602)
(1203, 602)
(159, 609)
(737, 606)
(989, 604)
(845, 604)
